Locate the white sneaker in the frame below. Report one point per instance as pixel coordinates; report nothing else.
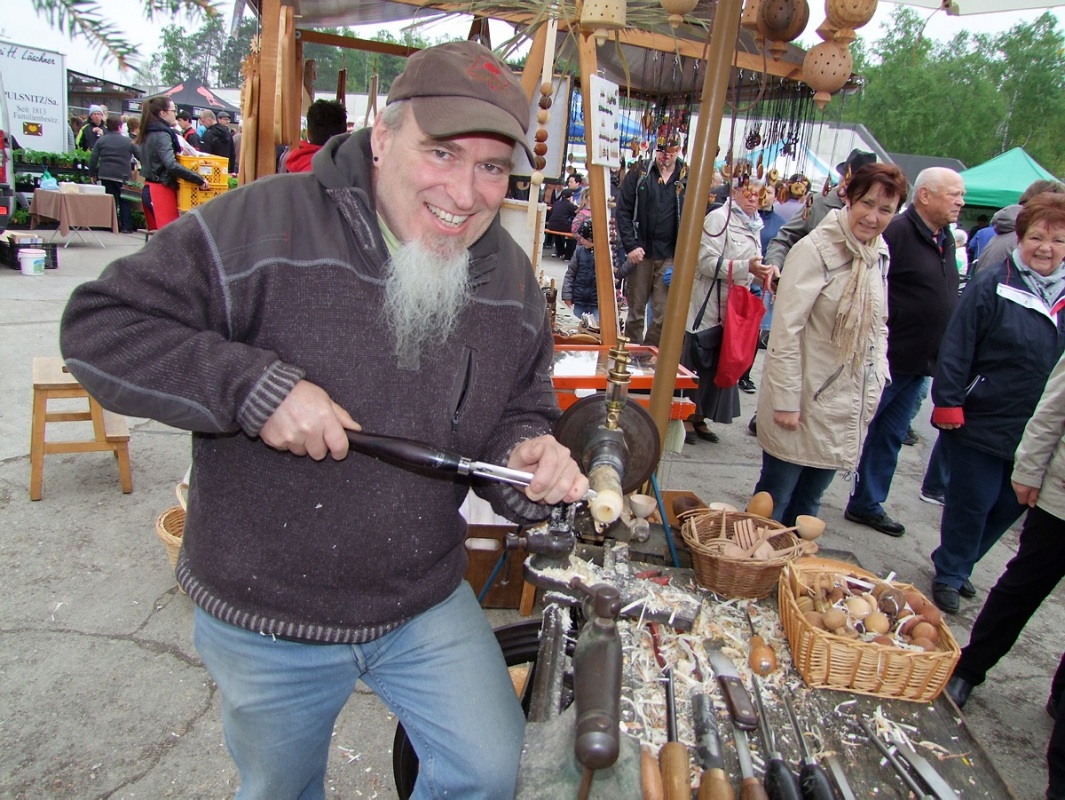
(934, 499)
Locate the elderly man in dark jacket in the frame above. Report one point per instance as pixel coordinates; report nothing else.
(648, 218)
(217, 138)
(111, 163)
(922, 294)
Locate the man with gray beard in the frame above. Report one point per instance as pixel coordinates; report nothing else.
(379, 292)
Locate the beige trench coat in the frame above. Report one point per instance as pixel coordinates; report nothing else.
(1040, 459)
(802, 370)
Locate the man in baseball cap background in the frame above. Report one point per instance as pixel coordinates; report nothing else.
(377, 291)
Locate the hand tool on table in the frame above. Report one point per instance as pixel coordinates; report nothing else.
(893, 760)
(714, 784)
(735, 693)
(673, 757)
(761, 657)
(650, 777)
(840, 778)
(750, 786)
(411, 452)
(780, 781)
(940, 788)
(813, 780)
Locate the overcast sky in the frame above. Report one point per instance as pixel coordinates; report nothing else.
(20, 24)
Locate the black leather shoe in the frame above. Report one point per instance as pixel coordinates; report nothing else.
(747, 385)
(752, 426)
(704, 433)
(690, 437)
(880, 522)
(1052, 707)
(959, 689)
(967, 590)
(946, 598)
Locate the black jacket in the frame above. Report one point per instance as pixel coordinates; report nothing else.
(111, 157)
(648, 211)
(922, 293)
(579, 283)
(192, 138)
(218, 141)
(995, 359)
(159, 162)
(562, 214)
(88, 137)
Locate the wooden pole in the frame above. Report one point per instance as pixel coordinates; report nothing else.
(293, 76)
(266, 155)
(598, 181)
(700, 176)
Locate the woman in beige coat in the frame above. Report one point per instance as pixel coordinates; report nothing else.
(826, 363)
(731, 248)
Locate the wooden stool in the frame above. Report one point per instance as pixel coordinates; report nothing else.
(52, 381)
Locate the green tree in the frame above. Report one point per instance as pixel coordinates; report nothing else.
(234, 51)
(190, 55)
(83, 19)
(971, 98)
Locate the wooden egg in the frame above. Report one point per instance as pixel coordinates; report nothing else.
(805, 604)
(835, 618)
(891, 602)
(925, 630)
(926, 644)
(887, 641)
(857, 608)
(877, 622)
(932, 614)
(836, 594)
(916, 601)
(907, 626)
(761, 505)
(815, 619)
(809, 528)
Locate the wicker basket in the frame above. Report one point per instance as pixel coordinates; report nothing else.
(828, 661)
(170, 526)
(704, 531)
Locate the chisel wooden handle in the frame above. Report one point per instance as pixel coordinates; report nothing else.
(650, 777)
(676, 771)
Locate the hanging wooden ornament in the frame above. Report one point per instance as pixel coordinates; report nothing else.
(603, 16)
(749, 20)
(846, 15)
(677, 9)
(826, 69)
(781, 21)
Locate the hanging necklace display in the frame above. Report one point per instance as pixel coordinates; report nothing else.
(543, 116)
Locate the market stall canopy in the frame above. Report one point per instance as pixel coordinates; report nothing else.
(1001, 181)
(964, 7)
(635, 64)
(192, 93)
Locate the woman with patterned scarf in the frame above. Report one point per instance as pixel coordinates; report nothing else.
(1005, 337)
(826, 363)
(730, 253)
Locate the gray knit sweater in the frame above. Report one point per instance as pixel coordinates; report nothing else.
(212, 324)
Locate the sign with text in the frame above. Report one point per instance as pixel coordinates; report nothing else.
(35, 82)
(602, 135)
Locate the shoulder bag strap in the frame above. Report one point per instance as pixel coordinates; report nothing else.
(702, 308)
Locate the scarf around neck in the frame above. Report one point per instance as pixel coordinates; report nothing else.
(754, 224)
(855, 323)
(1046, 287)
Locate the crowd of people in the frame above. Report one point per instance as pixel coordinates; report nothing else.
(867, 316)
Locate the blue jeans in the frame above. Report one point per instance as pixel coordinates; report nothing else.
(442, 673)
(880, 454)
(795, 489)
(978, 510)
(937, 473)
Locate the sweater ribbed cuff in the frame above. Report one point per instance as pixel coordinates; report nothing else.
(950, 416)
(267, 395)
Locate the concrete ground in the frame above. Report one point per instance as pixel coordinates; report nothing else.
(103, 695)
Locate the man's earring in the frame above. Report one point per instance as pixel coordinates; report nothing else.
(376, 159)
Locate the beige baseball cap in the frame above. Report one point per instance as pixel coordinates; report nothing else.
(463, 87)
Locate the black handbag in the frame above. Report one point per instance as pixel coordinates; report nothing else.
(703, 347)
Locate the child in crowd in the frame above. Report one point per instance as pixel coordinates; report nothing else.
(578, 289)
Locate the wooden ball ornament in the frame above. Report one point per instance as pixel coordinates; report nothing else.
(846, 15)
(826, 69)
(677, 9)
(542, 116)
(781, 21)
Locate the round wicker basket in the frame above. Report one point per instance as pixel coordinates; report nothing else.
(170, 526)
(705, 532)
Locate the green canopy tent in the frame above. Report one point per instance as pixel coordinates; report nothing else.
(1001, 181)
